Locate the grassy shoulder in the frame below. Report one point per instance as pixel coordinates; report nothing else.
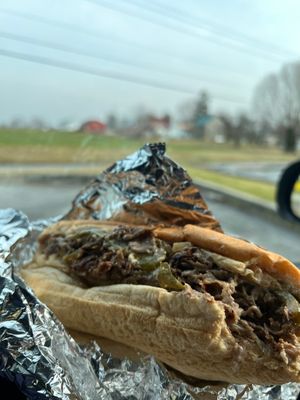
(261, 190)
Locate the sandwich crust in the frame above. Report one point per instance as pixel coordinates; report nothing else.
(217, 242)
(187, 330)
(237, 249)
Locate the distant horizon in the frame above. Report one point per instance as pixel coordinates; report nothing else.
(85, 59)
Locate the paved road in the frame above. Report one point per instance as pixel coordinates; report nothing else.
(264, 171)
(38, 200)
(48, 200)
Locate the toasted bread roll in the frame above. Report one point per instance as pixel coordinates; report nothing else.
(211, 306)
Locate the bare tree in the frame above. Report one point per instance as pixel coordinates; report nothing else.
(276, 100)
(246, 128)
(229, 127)
(238, 129)
(290, 92)
(17, 123)
(263, 100)
(38, 124)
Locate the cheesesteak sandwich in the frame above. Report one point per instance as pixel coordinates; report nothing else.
(209, 305)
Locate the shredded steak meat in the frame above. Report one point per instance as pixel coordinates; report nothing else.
(260, 310)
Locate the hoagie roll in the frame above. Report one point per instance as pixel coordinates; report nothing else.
(209, 305)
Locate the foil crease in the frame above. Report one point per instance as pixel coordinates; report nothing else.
(40, 357)
(145, 187)
(35, 351)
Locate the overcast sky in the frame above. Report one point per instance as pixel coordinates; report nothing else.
(119, 55)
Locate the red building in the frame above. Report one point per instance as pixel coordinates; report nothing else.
(95, 127)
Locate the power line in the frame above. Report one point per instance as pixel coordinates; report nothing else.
(219, 30)
(270, 48)
(96, 34)
(116, 60)
(178, 29)
(106, 74)
(113, 59)
(210, 26)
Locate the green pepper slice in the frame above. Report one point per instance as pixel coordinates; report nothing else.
(166, 279)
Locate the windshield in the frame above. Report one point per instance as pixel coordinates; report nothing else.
(85, 83)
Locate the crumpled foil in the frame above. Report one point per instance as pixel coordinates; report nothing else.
(40, 357)
(145, 187)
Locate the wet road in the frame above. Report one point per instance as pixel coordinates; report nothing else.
(51, 199)
(263, 171)
(38, 200)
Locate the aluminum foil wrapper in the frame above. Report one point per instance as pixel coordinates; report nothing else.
(146, 187)
(40, 357)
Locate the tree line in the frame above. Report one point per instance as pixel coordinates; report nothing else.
(274, 117)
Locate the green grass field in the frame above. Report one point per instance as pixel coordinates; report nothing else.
(28, 146)
(31, 147)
